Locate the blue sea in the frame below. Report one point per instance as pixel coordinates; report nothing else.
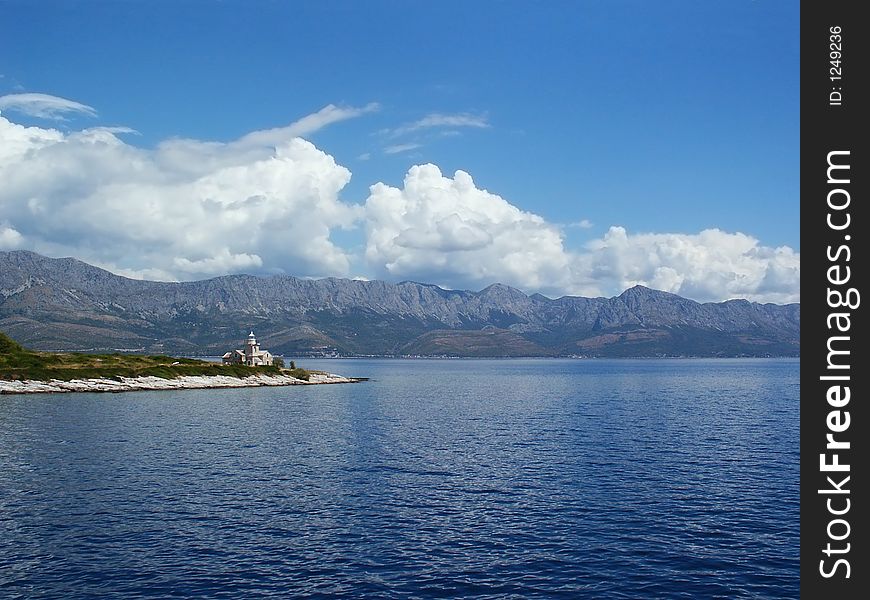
(435, 479)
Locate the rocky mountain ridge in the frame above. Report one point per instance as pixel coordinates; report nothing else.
(65, 304)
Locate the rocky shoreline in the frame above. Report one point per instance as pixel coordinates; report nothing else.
(187, 382)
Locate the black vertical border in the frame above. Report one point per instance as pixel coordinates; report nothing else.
(826, 128)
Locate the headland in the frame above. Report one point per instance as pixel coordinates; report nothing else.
(24, 371)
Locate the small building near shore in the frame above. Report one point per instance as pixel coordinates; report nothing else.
(251, 356)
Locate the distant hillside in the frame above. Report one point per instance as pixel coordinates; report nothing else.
(65, 304)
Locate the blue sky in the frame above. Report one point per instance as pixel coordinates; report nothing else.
(659, 118)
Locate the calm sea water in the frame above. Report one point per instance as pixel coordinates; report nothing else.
(436, 479)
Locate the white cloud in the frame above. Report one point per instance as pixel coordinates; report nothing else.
(707, 266)
(269, 202)
(18, 140)
(222, 262)
(44, 106)
(423, 129)
(449, 231)
(434, 120)
(306, 125)
(399, 148)
(581, 224)
(184, 210)
(114, 130)
(9, 238)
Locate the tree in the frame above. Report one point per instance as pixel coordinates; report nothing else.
(278, 362)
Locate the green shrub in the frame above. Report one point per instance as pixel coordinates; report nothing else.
(8, 345)
(17, 363)
(299, 374)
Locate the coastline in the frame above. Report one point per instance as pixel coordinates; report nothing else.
(184, 382)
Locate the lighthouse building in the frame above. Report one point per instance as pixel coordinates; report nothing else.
(251, 355)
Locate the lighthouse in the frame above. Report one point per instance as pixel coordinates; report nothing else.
(251, 355)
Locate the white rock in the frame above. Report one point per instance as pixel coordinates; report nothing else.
(156, 383)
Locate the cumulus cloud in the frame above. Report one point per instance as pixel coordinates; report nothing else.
(269, 201)
(116, 130)
(707, 266)
(9, 238)
(184, 210)
(44, 106)
(222, 262)
(449, 231)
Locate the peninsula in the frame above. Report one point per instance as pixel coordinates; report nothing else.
(25, 371)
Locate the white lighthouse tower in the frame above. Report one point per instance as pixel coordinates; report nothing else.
(251, 355)
(252, 347)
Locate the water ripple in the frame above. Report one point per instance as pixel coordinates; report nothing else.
(437, 479)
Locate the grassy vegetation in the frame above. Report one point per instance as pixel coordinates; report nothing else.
(18, 363)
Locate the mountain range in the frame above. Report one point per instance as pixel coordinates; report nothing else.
(65, 304)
